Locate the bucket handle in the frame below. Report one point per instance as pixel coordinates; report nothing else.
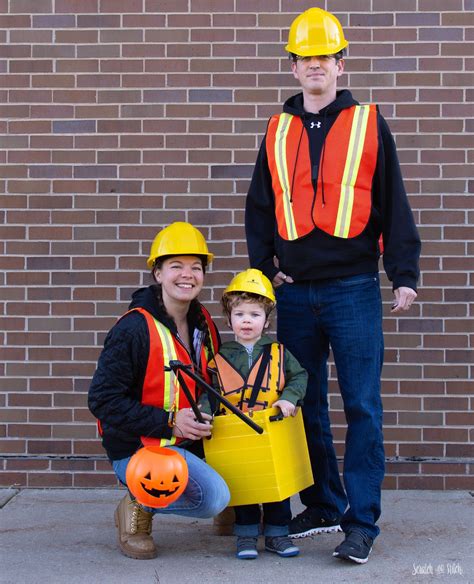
(279, 417)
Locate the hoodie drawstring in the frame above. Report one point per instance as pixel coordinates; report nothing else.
(322, 156)
(296, 160)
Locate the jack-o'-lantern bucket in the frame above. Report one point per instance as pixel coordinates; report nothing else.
(157, 476)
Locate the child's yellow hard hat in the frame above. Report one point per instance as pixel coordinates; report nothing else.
(253, 281)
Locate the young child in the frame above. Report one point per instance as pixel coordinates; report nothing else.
(242, 368)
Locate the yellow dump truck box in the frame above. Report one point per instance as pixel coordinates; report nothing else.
(260, 468)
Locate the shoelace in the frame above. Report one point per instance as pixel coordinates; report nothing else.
(141, 520)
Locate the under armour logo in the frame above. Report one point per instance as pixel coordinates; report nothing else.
(315, 125)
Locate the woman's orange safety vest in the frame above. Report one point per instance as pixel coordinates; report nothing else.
(349, 165)
(238, 389)
(160, 387)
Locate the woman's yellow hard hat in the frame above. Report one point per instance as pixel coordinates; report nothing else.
(179, 238)
(253, 281)
(315, 32)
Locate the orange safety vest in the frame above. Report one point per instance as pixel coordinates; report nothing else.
(349, 165)
(238, 389)
(160, 387)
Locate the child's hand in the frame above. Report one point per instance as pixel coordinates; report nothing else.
(286, 407)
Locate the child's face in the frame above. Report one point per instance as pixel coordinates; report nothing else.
(248, 320)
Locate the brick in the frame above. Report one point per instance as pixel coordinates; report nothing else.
(144, 21)
(74, 127)
(16, 21)
(12, 479)
(421, 482)
(103, 171)
(76, 6)
(76, 65)
(464, 483)
(37, 66)
(99, 80)
(54, 21)
(55, 52)
(50, 479)
(118, 66)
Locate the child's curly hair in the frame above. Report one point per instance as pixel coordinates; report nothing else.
(233, 299)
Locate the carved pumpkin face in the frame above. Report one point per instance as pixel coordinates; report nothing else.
(157, 476)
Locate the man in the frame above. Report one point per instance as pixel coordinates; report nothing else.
(326, 195)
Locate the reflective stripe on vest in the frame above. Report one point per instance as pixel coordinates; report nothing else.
(160, 387)
(349, 165)
(214, 337)
(238, 389)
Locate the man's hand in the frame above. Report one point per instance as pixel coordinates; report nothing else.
(404, 298)
(186, 425)
(286, 407)
(280, 278)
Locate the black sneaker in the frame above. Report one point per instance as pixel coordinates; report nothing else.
(281, 545)
(311, 522)
(246, 547)
(356, 547)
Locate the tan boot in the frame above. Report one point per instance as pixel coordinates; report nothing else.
(224, 522)
(134, 530)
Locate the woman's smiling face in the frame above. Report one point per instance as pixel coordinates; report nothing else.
(181, 278)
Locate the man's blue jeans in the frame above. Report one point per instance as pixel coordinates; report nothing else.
(346, 315)
(206, 493)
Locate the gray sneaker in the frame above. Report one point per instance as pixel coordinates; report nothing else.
(246, 547)
(281, 545)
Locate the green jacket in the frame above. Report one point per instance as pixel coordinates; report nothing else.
(296, 377)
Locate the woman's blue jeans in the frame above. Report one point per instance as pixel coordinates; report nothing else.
(206, 493)
(346, 315)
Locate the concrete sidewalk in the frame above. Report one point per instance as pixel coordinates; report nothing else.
(68, 536)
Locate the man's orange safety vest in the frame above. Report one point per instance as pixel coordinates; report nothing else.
(348, 167)
(161, 388)
(238, 389)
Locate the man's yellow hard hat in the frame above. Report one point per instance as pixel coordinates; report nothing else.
(315, 32)
(252, 281)
(179, 238)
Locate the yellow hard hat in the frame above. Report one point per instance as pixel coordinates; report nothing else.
(179, 238)
(252, 281)
(315, 32)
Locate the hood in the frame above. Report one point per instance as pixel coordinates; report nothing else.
(147, 298)
(344, 99)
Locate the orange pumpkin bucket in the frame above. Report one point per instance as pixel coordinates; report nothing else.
(157, 476)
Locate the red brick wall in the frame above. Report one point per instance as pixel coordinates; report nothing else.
(122, 116)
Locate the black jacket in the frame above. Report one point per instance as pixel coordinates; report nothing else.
(318, 255)
(115, 392)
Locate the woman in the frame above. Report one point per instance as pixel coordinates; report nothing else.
(138, 402)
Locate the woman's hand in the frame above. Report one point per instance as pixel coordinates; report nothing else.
(186, 425)
(286, 407)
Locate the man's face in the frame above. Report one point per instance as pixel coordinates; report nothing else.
(318, 75)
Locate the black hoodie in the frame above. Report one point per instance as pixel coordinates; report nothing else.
(319, 256)
(115, 392)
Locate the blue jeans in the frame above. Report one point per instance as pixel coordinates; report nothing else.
(206, 493)
(345, 314)
(276, 519)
